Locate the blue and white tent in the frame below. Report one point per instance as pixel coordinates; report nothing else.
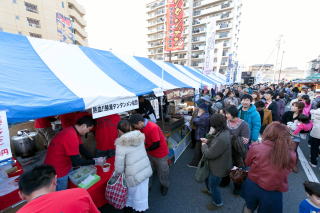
(40, 77)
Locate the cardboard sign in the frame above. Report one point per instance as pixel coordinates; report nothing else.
(114, 107)
(5, 149)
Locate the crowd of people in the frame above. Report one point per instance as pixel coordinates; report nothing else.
(269, 121)
(247, 127)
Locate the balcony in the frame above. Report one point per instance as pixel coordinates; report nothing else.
(204, 3)
(76, 6)
(76, 17)
(156, 5)
(198, 39)
(80, 29)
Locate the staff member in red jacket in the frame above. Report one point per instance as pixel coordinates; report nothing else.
(64, 151)
(156, 146)
(270, 163)
(38, 188)
(44, 128)
(106, 133)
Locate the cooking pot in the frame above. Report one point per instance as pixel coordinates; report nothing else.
(24, 143)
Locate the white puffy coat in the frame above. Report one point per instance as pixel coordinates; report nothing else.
(315, 116)
(132, 159)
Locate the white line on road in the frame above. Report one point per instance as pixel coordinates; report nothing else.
(306, 167)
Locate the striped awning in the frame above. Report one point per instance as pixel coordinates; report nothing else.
(41, 77)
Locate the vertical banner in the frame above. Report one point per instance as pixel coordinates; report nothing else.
(174, 25)
(64, 28)
(5, 149)
(229, 74)
(210, 44)
(219, 47)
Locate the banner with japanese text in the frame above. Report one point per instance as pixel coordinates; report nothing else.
(5, 149)
(64, 28)
(114, 107)
(174, 25)
(210, 45)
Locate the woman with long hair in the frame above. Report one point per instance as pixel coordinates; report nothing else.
(270, 164)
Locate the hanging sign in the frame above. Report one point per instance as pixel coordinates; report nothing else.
(5, 149)
(174, 25)
(158, 92)
(114, 107)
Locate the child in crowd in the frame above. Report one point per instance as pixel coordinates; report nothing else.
(312, 203)
(304, 125)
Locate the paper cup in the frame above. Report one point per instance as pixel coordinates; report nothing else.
(106, 167)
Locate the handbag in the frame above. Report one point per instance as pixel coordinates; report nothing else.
(117, 191)
(202, 172)
(238, 175)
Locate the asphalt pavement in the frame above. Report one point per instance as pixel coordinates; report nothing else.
(185, 195)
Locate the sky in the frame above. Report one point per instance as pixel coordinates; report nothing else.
(121, 26)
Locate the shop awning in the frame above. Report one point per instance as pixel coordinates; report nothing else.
(42, 77)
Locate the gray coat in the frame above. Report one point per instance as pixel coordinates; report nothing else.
(218, 152)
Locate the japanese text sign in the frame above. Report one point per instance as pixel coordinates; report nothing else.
(114, 107)
(5, 150)
(174, 25)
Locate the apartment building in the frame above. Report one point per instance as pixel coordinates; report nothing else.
(61, 20)
(198, 15)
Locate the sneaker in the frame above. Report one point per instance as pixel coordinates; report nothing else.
(206, 191)
(213, 207)
(191, 165)
(312, 165)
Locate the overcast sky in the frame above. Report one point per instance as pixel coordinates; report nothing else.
(121, 26)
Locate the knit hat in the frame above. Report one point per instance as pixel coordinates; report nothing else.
(204, 107)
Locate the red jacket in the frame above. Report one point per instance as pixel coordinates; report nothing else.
(262, 172)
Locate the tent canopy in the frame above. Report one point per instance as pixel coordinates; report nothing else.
(40, 77)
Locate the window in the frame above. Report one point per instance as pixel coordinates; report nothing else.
(14, 1)
(33, 22)
(31, 7)
(20, 33)
(62, 4)
(17, 17)
(35, 35)
(1, 29)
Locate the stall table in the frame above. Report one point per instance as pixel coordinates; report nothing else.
(97, 191)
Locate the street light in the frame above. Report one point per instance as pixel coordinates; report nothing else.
(280, 66)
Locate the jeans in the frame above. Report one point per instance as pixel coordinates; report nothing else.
(258, 198)
(62, 183)
(212, 184)
(315, 143)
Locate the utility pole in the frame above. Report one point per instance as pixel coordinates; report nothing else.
(280, 67)
(274, 69)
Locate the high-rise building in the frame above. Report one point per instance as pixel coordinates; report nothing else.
(198, 16)
(61, 20)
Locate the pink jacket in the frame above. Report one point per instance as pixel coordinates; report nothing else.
(306, 109)
(305, 127)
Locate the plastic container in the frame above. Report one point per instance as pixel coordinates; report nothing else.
(78, 175)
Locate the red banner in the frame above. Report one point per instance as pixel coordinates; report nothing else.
(174, 26)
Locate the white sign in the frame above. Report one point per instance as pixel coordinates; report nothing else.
(209, 51)
(114, 107)
(5, 149)
(158, 92)
(155, 105)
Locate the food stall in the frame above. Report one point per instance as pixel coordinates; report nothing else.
(35, 84)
